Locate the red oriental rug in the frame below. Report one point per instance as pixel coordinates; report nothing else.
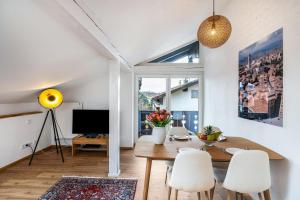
(85, 188)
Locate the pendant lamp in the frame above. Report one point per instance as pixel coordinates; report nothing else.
(214, 31)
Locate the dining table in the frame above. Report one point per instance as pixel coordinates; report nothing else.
(145, 148)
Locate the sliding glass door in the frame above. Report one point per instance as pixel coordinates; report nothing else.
(184, 101)
(178, 94)
(151, 93)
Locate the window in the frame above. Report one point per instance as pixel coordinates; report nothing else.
(151, 94)
(194, 94)
(186, 54)
(184, 109)
(171, 93)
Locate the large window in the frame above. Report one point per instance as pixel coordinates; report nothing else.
(179, 95)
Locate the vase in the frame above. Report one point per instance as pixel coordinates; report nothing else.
(159, 135)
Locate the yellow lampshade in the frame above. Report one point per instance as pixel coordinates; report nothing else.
(50, 98)
(214, 31)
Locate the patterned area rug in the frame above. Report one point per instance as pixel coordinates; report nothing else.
(85, 188)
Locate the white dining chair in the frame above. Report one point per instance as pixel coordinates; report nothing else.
(192, 172)
(248, 172)
(178, 131)
(174, 131)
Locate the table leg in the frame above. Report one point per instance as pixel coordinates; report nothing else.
(147, 178)
(107, 148)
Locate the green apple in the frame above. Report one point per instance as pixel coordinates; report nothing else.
(210, 137)
(217, 135)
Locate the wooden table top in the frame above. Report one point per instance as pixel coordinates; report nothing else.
(169, 150)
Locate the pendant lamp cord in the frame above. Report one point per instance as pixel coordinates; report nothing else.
(213, 24)
(213, 7)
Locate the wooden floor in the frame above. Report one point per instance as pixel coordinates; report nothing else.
(23, 182)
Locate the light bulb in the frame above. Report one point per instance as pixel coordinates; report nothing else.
(213, 31)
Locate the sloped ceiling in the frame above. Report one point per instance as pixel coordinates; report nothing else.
(42, 45)
(142, 29)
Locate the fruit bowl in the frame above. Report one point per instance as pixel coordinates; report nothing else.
(209, 135)
(209, 143)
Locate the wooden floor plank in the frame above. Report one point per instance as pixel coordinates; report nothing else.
(29, 182)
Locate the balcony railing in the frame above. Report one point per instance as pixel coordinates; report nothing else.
(187, 119)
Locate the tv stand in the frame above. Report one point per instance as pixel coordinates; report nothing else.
(82, 139)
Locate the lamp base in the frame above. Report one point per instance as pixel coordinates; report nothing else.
(56, 136)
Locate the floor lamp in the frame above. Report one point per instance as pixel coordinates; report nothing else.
(50, 99)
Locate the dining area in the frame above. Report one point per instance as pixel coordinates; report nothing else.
(239, 165)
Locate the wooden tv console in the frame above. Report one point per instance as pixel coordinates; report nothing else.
(81, 139)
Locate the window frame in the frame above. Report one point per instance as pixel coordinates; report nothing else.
(191, 49)
(179, 73)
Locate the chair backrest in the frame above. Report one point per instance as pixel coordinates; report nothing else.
(192, 171)
(178, 131)
(248, 171)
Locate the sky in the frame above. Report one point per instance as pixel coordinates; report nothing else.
(273, 40)
(158, 85)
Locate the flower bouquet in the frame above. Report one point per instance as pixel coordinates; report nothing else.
(158, 120)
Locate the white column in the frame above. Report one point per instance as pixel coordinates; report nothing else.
(201, 102)
(114, 118)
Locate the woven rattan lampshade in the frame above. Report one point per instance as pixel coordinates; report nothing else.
(214, 31)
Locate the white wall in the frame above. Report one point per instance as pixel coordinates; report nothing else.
(91, 92)
(251, 21)
(126, 107)
(16, 131)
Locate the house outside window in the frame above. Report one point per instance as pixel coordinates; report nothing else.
(194, 94)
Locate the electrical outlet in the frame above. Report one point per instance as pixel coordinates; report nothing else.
(27, 145)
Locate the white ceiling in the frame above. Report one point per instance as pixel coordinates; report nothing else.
(142, 29)
(42, 45)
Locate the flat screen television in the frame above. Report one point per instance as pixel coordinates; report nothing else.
(90, 122)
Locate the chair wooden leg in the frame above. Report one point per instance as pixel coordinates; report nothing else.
(236, 195)
(260, 196)
(169, 192)
(166, 176)
(267, 195)
(228, 195)
(206, 195)
(241, 195)
(199, 195)
(176, 194)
